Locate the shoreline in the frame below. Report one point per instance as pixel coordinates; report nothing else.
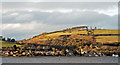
(50, 59)
(55, 56)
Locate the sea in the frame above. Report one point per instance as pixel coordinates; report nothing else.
(60, 59)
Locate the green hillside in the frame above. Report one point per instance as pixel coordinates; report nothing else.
(57, 34)
(96, 40)
(7, 44)
(102, 39)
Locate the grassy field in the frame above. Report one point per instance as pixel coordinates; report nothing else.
(106, 31)
(97, 31)
(7, 44)
(106, 39)
(102, 39)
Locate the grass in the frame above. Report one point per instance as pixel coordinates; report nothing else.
(67, 33)
(7, 44)
(106, 31)
(105, 39)
(97, 31)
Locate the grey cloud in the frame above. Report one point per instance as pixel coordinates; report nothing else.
(56, 5)
(74, 18)
(46, 21)
(61, 1)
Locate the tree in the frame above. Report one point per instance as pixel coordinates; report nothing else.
(15, 47)
(12, 40)
(3, 39)
(95, 27)
(8, 39)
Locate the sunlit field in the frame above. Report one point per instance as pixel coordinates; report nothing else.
(7, 44)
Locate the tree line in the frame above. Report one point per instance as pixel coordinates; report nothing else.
(7, 39)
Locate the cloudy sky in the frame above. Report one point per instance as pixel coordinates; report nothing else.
(27, 19)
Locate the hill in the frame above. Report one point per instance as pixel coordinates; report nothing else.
(78, 38)
(100, 35)
(91, 40)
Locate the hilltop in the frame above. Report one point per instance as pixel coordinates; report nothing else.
(82, 32)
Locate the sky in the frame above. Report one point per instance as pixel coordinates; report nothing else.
(23, 20)
(60, 0)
